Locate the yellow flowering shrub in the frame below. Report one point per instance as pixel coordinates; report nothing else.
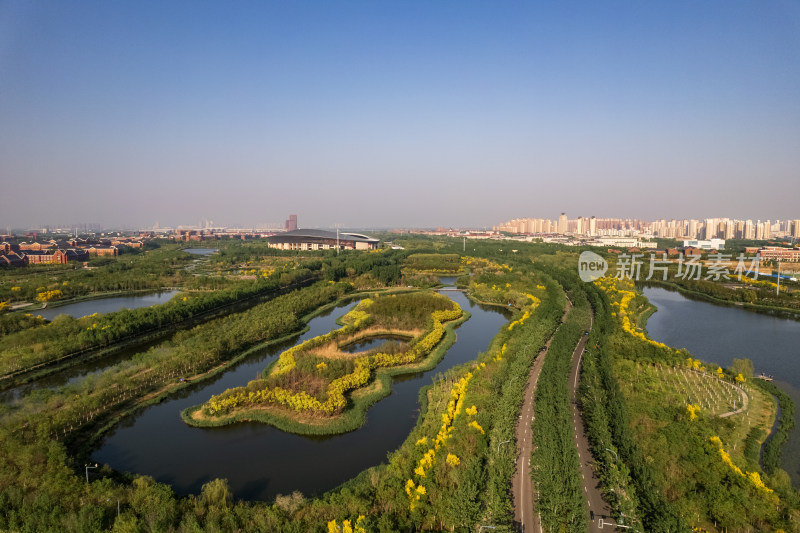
(46, 296)
(753, 477)
(474, 424)
(355, 320)
(621, 293)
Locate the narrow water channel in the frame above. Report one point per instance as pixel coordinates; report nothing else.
(718, 334)
(106, 305)
(260, 461)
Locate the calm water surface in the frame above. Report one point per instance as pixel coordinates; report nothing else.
(75, 373)
(260, 461)
(106, 305)
(373, 342)
(718, 334)
(200, 251)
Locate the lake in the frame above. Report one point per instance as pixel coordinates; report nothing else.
(106, 305)
(718, 334)
(260, 461)
(200, 251)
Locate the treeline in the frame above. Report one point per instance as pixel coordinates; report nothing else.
(407, 311)
(40, 491)
(13, 322)
(440, 263)
(70, 413)
(454, 470)
(628, 483)
(683, 468)
(383, 267)
(555, 465)
(66, 336)
(524, 346)
(771, 458)
(147, 271)
(755, 294)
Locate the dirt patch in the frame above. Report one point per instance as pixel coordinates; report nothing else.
(330, 350)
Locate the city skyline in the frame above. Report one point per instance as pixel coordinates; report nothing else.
(693, 228)
(727, 227)
(395, 114)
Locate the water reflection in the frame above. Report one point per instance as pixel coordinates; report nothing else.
(106, 305)
(718, 334)
(260, 461)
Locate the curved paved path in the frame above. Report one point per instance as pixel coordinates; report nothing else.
(525, 517)
(598, 507)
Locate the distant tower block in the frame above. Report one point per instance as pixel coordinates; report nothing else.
(562, 223)
(291, 224)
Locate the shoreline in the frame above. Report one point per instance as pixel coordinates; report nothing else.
(359, 400)
(780, 312)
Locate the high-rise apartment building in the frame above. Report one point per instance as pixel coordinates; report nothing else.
(710, 228)
(749, 230)
(562, 223)
(580, 228)
(730, 229)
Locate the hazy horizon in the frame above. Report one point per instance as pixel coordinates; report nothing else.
(396, 114)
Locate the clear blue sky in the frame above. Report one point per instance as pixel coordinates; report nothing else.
(381, 113)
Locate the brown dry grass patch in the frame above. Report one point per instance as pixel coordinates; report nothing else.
(330, 350)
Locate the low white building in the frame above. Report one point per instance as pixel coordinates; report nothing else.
(712, 244)
(622, 242)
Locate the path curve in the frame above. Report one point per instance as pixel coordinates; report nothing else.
(522, 492)
(599, 509)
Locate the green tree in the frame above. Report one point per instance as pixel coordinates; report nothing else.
(216, 494)
(743, 367)
(154, 502)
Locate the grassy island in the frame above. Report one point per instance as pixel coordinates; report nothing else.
(326, 384)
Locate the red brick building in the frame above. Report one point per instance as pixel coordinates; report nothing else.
(12, 259)
(59, 257)
(776, 252)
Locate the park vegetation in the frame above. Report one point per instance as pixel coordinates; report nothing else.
(151, 270)
(34, 343)
(314, 379)
(434, 263)
(660, 467)
(554, 461)
(695, 458)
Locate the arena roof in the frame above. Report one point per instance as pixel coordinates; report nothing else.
(302, 234)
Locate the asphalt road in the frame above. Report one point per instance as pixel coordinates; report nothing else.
(521, 485)
(522, 492)
(598, 507)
